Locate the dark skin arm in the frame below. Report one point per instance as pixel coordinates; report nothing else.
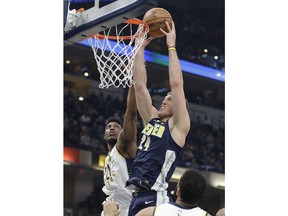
(127, 138)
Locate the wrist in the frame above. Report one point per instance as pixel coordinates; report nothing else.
(171, 48)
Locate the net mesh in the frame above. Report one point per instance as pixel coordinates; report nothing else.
(114, 58)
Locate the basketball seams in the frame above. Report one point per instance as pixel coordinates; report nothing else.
(161, 18)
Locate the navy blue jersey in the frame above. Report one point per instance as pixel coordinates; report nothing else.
(157, 157)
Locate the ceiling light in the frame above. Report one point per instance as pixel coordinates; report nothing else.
(86, 74)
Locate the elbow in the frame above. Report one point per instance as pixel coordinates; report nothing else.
(131, 111)
(139, 87)
(176, 83)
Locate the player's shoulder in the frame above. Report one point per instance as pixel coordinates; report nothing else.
(201, 211)
(165, 206)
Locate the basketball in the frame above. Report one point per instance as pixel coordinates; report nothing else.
(156, 18)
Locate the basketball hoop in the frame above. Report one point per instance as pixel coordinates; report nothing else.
(114, 53)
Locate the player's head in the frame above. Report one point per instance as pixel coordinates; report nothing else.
(191, 187)
(112, 129)
(166, 109)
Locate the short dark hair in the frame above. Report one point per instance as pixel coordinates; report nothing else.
(113, 119)
(192, 186)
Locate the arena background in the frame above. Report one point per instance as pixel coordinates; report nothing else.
(32, 107)
(200, 40)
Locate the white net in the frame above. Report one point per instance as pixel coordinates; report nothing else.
(114, 58)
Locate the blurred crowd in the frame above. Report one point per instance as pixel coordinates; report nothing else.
(84, 125)
(200, 36)
(200, 39)
(194, 97)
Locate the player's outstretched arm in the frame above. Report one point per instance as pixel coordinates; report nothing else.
(127, 139)
(143, 98)
(180, 120)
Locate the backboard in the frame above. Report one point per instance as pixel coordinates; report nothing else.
(78, 26)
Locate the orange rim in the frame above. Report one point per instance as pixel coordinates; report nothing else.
(134, 21)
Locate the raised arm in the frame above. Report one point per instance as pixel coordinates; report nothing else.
(143, 98)
(180, 122)
(127, 138)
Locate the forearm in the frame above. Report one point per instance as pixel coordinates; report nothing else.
(130, 117)
(127, 139)
(143, 98)
(129, 132)
(131, 102)
(139, 70)
(175, 72)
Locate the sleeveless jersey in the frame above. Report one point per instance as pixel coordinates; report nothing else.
(116, 173)
(157, 157)
(172, 209)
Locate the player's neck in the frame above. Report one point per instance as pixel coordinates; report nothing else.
(164, 119)
(180, 202)
(111, 143)
(110, 147)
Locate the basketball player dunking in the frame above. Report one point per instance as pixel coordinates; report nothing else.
(164, 135)
(122, 146)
